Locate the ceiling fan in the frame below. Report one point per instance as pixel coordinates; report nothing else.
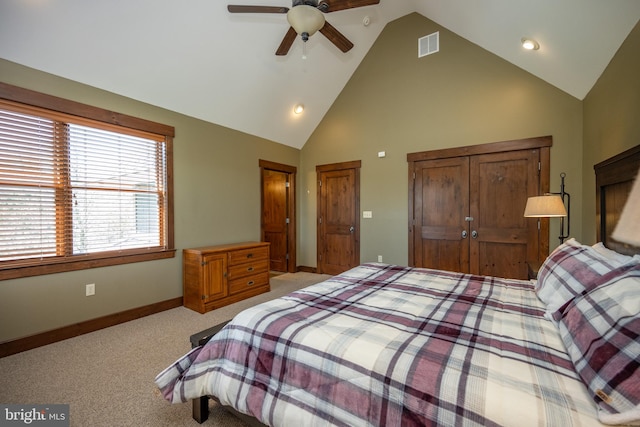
(306, 17)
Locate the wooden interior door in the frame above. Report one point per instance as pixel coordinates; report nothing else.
(502, 239)
(441, 203)
(278, 214)
(274, 217)
(338, 217)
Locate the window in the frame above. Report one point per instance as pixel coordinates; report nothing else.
(76, 192)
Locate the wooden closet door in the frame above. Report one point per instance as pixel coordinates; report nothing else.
(502, 240)
(441, 205)
(500, 176)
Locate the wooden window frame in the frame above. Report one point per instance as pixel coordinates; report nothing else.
(26, 268)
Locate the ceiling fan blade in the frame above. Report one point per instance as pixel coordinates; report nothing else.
(336, 37)
(287, 41)
(256, 9)
(335, 5)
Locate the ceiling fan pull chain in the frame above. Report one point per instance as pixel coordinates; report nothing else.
(304, 50)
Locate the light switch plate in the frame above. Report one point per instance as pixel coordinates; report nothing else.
(90, 289)
(367, 214)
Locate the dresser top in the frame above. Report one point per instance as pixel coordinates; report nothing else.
(226, 247)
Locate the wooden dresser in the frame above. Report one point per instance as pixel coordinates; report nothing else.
(215, 276)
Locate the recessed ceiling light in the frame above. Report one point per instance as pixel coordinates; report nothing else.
(530, 44)
(298, 109)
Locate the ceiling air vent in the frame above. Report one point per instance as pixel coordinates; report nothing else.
(428, 44)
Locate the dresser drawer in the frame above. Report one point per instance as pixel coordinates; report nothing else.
(249, 282)
(248, 268)
(248, 255)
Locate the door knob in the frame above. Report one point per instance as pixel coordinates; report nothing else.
(474, 234)
(464, 234)
(351, 229)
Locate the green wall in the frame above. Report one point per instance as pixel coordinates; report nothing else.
(217, 200)
(611, 119)
(399, 103)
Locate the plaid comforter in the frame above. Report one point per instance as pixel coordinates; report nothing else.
(385, 345)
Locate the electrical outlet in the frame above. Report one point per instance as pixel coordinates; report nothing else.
(379, 258)
(90, 289)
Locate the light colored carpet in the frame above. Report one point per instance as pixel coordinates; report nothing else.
(107, 376)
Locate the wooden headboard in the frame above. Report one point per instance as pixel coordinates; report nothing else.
(614, 178)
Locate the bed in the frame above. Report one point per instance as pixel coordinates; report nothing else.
(391, 345)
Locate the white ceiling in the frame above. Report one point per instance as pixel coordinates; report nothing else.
(195, 58)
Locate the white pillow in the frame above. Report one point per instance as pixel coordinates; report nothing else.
(614, 256)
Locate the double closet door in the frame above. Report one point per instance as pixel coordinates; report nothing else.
(466, 211)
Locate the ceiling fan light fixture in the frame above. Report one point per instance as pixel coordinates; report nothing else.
(298, 109)
(530, 44)
(305, 19)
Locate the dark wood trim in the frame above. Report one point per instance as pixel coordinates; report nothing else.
(545, 187)
(412, 212)
(266, 164)
(50, 102)
(19, 345)
(493, 147)
(293, 221)
(306, 269)
(356, 164)
(169, 171)
(621, 157)
(81, 263)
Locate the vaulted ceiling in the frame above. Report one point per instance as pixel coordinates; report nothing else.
(196, 58)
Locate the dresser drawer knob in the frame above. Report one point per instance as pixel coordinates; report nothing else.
(249, 255)
(250, 283)
(250, 269)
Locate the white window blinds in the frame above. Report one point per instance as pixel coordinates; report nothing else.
(71, 187)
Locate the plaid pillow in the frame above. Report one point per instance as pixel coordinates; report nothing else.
(601, 330)
(568, 270)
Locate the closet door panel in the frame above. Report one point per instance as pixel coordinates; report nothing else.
(493, 262)
(502, 239)
(441, 192)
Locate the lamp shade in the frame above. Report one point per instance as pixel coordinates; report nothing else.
(628, 228)
(545, 206)
(305, 19)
